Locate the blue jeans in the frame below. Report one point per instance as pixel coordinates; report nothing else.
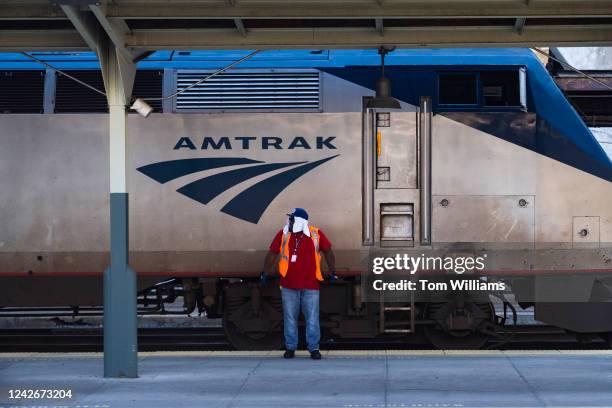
(309, 301)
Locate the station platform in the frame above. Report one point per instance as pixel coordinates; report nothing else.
(347, 379)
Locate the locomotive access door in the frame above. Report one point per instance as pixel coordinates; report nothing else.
(390, 190)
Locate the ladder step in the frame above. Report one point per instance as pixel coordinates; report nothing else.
(389, 322)
(395, 323)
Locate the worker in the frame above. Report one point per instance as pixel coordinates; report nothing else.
(300, 246)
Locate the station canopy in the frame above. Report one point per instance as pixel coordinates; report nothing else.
(140, 26)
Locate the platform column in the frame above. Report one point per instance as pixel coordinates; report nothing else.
(120, 313)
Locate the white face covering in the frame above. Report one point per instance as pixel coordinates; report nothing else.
(299, 225)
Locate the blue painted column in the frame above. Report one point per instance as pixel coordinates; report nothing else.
(120, 317)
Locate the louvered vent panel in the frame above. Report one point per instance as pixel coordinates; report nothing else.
(72, 97)
(261, 90)
(22, 91)
(148, 84)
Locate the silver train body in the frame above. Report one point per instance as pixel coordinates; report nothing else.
(361, 173)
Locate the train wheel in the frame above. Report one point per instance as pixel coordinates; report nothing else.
(252, 317)
(456, 326)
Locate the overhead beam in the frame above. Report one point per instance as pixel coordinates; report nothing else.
(152, 40)
(14, 9)
(39, 40)
(121, 25)
(356, 38)
(362, 9)
(92, 33)
(116, 32)
(86, 25)
(440, 37)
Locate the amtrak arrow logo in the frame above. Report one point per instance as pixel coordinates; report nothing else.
(250, 204)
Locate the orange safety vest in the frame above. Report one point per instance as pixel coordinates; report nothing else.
(283, 264)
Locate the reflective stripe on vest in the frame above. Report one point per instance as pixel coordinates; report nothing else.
(283, 264)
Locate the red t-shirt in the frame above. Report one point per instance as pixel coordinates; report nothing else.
(301, 273)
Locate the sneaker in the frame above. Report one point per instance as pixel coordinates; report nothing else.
(289, 354)
(315, 355)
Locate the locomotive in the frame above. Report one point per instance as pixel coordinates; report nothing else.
(484, 152)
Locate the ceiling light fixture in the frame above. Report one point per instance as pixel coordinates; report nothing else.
(383, 98)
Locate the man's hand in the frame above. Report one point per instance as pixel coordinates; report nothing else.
(267, 266)
(331, 276)
(330, 259)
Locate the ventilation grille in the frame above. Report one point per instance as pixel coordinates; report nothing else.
(22, 91)
(148, 84)
(72, 97)
(249, 90)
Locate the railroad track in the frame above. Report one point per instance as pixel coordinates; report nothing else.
(91, 339)
(213, 339)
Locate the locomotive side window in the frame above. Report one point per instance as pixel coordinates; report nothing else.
(504, 88)
(500, 88)
(457, 89)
